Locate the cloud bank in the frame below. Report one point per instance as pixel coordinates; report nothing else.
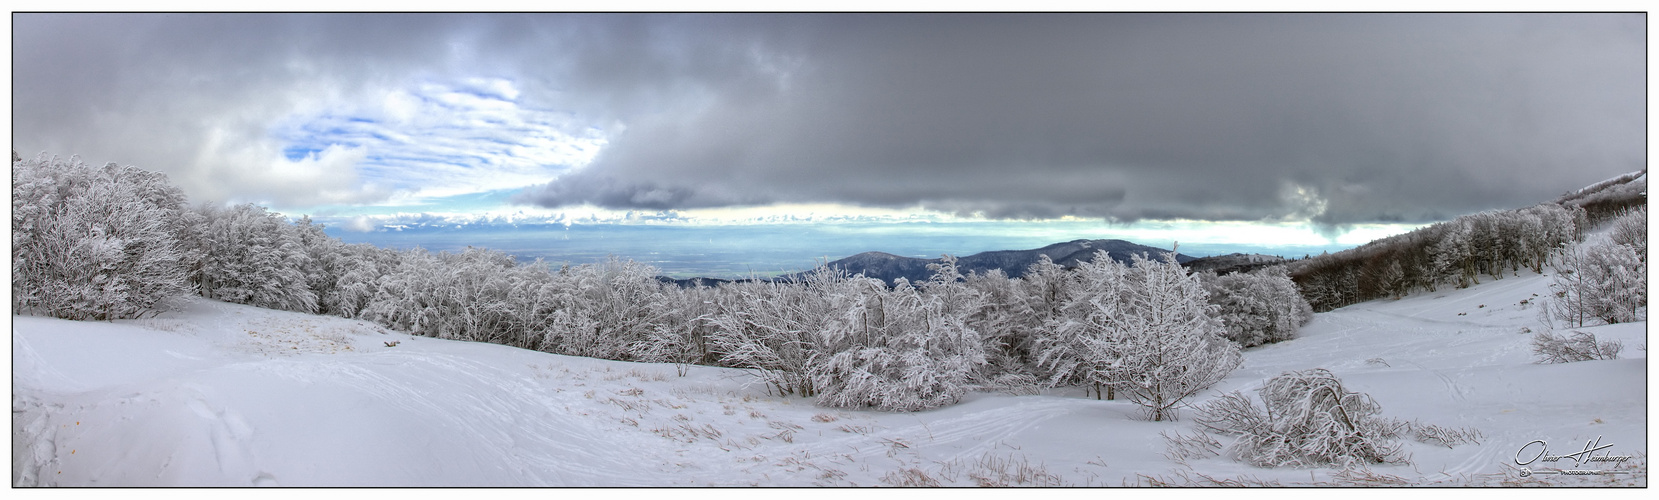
(1338, 118)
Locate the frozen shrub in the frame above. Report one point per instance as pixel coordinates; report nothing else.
(1443, 436)
(901, 349)
(1604, 283)
(1259, 307)
(1581, 346)
(1161, 343)
(774, 328)
(95, 243)
(682, 337)
(1143, 331)
(608, 307)
(1309, 420)
(1631, 230)
(253, 256)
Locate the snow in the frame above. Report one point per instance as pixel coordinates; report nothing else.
(228, 395)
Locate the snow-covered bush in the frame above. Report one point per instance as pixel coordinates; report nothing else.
(1631, 230)
(406, 298)
(1145, 331)
(682, 337)
(1605, 282)
(253, 256)
(1164, 345)
(1062, 345)
(95, 243)
(477, 295)
(774, 328)
(900, 349)
(356, 270)
(1581, 346)
(1007, 328)
(1259, 307)
(1310, 420)
(607, 308)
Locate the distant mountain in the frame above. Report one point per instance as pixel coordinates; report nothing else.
(889, 268)
(696, 282)
(1610, 198)
(1233, 263)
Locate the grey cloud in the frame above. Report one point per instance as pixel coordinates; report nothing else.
(1406, 117)
(1386, 117)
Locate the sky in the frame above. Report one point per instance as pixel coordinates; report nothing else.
(1323, 122)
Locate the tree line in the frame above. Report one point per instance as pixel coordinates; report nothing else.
(1457, 253)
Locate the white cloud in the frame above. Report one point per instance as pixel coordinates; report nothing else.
(361, 224)
(435, 139)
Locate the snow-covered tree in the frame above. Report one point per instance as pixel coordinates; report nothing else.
(406, 297)
(616, 303)
(682, 337)
(94, 243)
(1581, 346)
(1079, 307)
(1144, 330)
(1259, 307)
(255, 257)
(776, 328)
(1310, 420)
(902, 349)
(321, 253)
(1604, 282)
(1007, 328)
(1631, 230)
(1453, 255)
(1163, 344)
(357, 270)
(476, 294)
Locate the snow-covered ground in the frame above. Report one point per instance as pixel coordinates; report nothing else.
(227, 395)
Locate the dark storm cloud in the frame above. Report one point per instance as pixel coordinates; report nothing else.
(1381, 117)
(1345, 118)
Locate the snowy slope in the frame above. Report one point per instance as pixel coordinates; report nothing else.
(229, 395)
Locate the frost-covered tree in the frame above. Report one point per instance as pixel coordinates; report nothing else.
(1144, 330)
(1007, 328)
(253, 256)
(776, 328)
(1605, 282)
(406, 297)
(1163, 344)
(682, 337)
(357, 270)
(1453, 254)
(1079, 309)
(611, 306)
(902, 349)
(1631, 230)
(94, 243)
(1310, 420)
(1258, 307)
(1581, 346)
(476, 294)
(321, 253)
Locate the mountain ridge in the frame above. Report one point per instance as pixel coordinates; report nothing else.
(890, 267)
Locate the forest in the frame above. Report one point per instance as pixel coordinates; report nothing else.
(1491, 244)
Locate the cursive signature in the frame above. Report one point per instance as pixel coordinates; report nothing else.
(1587, 455)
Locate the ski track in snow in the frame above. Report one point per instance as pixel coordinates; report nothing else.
(228, 395)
